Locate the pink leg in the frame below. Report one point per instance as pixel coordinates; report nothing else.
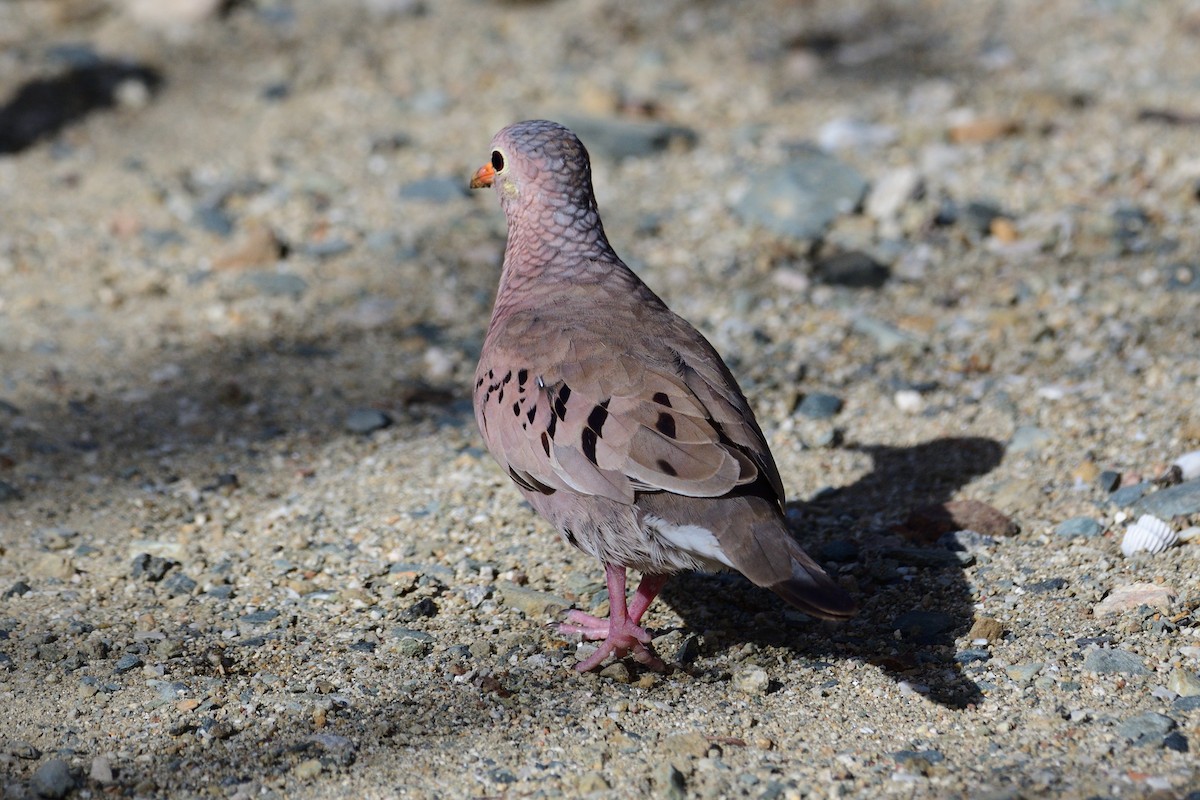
(621, 632)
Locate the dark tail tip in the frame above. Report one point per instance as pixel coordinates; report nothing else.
(816, 594)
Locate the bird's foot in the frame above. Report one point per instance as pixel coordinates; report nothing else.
(620, 640)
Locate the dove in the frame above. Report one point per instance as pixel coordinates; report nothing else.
(615, 418)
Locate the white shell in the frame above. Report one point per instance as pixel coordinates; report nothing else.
(1191, 534)
(1189, 465)
(1149, 534)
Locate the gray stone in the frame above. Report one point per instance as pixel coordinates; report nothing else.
(261, 617)
(1107, 662)
(972, 655)
(1022, 673)
(366, 420)
(820, 406)
(1028, 439)
(8, 492)
(977, 217)
(178, 584)
(801, 198)
(328, 248)
(127, 662)
(1146, 728)
(214, 219)
(1176, 501)
(891, 191)
(928, 557)
(275, 284)
(967, 542)
(854, 269)
(620, 139)
(434, 190)
(52, 779)
(1079, 526)
(1128, 495)
(1175, 741)
(888, 338)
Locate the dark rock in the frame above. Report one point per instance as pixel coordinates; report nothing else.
(1146, 728)
(408, 633)
(151, 568)
(1183, 278)
(977, 217)
(1175, 741)
(424, 607)
(18, 589)
(363, 647)
(262, 616)
(127, 662)
(8, 492)
(1046, 586)
(971, 655)
(1109, 480)
(819, 406)
(328, 248)
(178, 584)
(927, 557)
(214, 219)
(854, 269)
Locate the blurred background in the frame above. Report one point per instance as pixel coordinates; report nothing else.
(949, 248)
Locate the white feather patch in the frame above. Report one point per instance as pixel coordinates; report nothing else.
(691, 538)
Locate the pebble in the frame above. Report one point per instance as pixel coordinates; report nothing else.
(1132, 596)
(853, 269)
(619, 139)
(1023, 673)
(1109, 662)
(972, 655)
(531, 601)
(8, 492)
(1046, 586)
(101, 770)
(366, 420)
(1176, 501)
(18, 589)
(1178, 742)
(1109, 480)
(435, 190)
(591, 783)
(843, 133)
(909, 401)
(262, 616)
(819, 406)
(670, 784)
(751, 679)
(1146, 728)
(328, 248)
(1189, 465)
(1184, 683)
(1029, 439)
(927, 557)
(888, 338)
(307, 769)
(52, 779)
(1128, 495)
(1079, 526)
(1183, 278)
(616, 671)
(891, 191)
(52, 565)
(988, 629)
(127, 662)
(274, 284)
(967, 541)
(179, 584)
(801, 198)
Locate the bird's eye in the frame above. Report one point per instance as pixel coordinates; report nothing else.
(497, 161)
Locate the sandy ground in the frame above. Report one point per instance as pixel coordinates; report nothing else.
(230, 250)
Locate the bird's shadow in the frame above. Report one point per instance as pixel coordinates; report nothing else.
(915, 602)
(43, 107)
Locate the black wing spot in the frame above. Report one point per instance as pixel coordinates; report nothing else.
(588, 440)
(479, 383)
(507, 377)
(597, 418)
(516, 409)
(570, 534)
(553, 424)
(662, 399)
(666, 425)
(560, 403)
(490, 375)
(546, 443)
(665, 467)
(530, 483)
(532, 413)
(522, 376)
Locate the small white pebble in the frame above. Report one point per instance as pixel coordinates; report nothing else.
(909, 401)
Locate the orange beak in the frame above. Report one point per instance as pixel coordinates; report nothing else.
(483, 177)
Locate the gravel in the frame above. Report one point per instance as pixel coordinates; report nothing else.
(228, 236)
